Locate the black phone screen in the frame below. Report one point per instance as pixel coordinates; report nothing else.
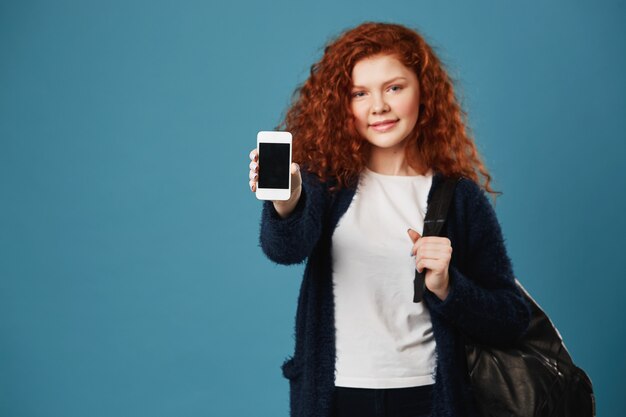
(274, 165)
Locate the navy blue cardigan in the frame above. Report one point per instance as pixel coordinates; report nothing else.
(483, 302)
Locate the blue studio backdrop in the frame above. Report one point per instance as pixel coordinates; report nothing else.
(131, 278)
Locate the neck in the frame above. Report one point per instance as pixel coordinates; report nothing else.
(393, 162)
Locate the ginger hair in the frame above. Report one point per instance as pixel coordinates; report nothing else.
(326, 141)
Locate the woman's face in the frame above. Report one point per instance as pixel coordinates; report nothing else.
(385, 101)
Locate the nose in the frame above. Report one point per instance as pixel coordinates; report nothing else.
(379, 105)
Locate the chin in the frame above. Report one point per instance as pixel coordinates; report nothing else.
(386, 143)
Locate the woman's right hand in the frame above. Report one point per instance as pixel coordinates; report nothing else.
(283, 208)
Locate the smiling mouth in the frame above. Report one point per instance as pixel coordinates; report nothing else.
(384, 126)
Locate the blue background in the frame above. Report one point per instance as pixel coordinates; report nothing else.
(131, 279)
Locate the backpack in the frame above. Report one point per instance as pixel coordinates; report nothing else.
(534, 378)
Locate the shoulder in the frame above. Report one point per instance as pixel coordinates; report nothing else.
(474, 195)
(313, 186)
(470, 203)
(309, 177)
(466, 191)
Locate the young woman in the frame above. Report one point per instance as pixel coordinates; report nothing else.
(376, 129)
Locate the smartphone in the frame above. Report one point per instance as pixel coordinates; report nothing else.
(274, 181)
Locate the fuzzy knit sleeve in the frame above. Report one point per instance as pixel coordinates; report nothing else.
(484, 302)
(290, 240)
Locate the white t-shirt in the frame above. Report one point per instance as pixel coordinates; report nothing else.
(383, 339)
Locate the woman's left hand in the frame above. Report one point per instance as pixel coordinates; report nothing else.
(433, 253)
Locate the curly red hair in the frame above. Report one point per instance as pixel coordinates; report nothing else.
(326, 141)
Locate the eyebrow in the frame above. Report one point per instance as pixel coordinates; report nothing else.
(386, 82)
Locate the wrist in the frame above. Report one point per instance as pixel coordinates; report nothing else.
(284, 208)
(442, 294)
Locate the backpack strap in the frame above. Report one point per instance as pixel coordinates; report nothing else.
(436, 214)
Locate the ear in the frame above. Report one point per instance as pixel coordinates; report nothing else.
(413, 235)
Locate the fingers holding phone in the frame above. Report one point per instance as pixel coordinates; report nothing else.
(254, 169)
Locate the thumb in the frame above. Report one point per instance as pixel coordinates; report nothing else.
(413, 235)
(296, 179)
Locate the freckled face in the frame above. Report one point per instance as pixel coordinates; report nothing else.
(384, 101)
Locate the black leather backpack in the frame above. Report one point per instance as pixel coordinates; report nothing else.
(534, 378)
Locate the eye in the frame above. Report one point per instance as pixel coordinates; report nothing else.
(358, 94)
(395, 88)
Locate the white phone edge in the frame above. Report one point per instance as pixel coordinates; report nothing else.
(265, 136)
